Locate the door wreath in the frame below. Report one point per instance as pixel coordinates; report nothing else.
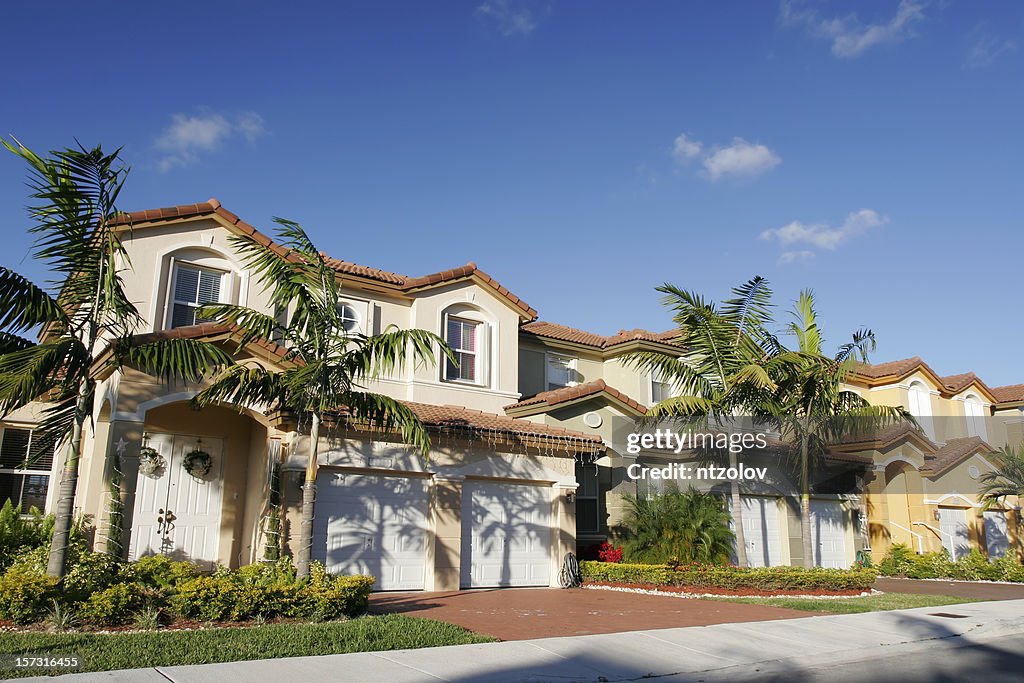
(198, 463)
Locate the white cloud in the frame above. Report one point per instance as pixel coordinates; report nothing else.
(188, 136)
(510, 19)
(986, 49)
(821, 235)
(741, 159)
(686, 149)
(790, 257)
(850, 37)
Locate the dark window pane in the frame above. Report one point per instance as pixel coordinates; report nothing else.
(14, 448)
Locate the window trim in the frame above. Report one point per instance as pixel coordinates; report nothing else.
(481, 354)
(363, 310)
(650, 387)
(25, 471)
(172, 283)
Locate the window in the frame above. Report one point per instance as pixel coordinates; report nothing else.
(588, 511)
(561, 372)
(193, 287)
(464, 336)
(975, 411)
(351, 321)
(920, 406)
(660, 389)
(26, 459)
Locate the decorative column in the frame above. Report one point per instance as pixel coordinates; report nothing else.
(121, 478)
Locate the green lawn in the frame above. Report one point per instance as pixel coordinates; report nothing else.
(871, 603)
(104, 652)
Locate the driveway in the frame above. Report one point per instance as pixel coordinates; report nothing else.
(526, 613)
(957, 589)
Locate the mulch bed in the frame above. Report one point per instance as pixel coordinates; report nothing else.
(735, 592)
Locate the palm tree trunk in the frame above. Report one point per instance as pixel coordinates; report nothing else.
(64, 514)
(737, 517)
(805, 505)
(308, 499)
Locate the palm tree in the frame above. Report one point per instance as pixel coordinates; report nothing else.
(812, 409)
(324, 365)
(721, 369)
(1008, 478)
(79, 315)
(685, 527)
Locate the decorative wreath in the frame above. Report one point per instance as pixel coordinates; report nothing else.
(197, 463)
(150, 461)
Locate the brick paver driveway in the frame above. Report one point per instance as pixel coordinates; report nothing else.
(521, 613)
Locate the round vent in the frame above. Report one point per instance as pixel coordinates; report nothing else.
(974, 471)
(592, 420)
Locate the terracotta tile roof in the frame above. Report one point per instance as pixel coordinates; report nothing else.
(406, 283)
(897, 368)
(957, 383)
(881, 438)
(566, 394)
(207, 331)
(542, 328)
(953, 452)
(1010, 393)
(460, 418)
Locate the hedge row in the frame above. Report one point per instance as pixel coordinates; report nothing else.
(104, 591)
(902, 561)
(725, 577)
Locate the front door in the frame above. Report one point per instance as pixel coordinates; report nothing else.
(953, 527)
(996, 537)
(178, 514)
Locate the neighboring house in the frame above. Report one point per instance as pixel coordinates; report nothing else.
(527, 463)
(922, 490)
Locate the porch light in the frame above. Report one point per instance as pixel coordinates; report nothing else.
(570, 497)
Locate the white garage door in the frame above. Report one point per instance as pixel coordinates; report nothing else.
(372, 525)
(506, 535)
(761, 531)
(828, 535)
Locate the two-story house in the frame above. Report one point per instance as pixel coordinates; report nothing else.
(492, 505)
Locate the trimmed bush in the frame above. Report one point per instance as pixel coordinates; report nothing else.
(115, 605)
(158, 571)
(709, 577)
(18, 533)
(902, 561)
(325, 597)
(25, 595)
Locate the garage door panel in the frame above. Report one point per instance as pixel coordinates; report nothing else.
(373, 525)
(506, 536)
(828, 534)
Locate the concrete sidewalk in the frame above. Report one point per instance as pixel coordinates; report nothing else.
(718, 652)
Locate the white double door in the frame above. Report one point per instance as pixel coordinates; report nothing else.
(955, 536)
(506, 535)
(997, 538)
(175, 513)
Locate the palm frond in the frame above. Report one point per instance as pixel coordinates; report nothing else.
(170, 359)
(388, 414)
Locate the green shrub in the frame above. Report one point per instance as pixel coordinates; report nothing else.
(686, 527)
(159, 571)
(710, 577)
(897, 561)
(19, 534)
(929, 566)
(325, 596)
(25, 595)
(974, 567)
(1009, 568)
(89, 573)
(117, 604)
(207, 598)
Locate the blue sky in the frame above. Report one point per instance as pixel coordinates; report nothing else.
(581, 153)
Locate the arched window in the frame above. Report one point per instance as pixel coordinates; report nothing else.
(195, 277)
(467, 332)
(974, 409)
(920, 406)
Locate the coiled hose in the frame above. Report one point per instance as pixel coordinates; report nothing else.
(570, 576)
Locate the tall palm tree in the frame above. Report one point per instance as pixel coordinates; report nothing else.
(78, 315)
(812, 408)
(1008, 478)
(324, 365)
(721, 369)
